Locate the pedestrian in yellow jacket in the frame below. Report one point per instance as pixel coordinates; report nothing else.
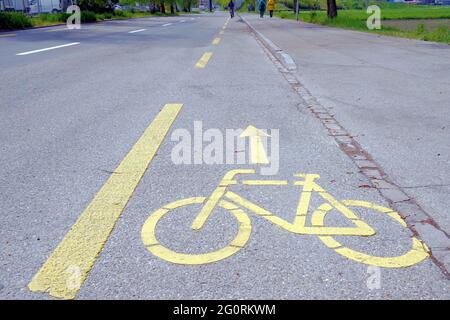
(271, 7)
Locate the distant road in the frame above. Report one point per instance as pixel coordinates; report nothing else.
(95, 202)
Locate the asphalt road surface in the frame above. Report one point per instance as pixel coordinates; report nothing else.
(104, 129)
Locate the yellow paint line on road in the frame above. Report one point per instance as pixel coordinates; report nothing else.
(216, 41)
(221, 32)
(8, 35)
(203, 60)
(63, 274)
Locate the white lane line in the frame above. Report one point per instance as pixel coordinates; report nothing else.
(167, 24)
(55, 30)
(181, 21)
(47, 49)
(134, 31)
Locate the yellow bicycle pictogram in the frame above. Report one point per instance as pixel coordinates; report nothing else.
(236, 206)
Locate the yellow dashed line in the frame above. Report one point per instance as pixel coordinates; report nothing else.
(216, 41)
(63, 274)
(203, 60)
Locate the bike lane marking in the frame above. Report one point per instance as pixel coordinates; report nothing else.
(225, 25)
(203, 60)
(64, 272)
(257, 150)
(240, 207)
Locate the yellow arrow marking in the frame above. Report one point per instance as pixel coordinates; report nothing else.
(258, 154)
(66, 269)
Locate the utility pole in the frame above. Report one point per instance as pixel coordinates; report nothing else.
(297, 9)
(210, 5)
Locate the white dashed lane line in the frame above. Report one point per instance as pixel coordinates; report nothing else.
(135, 31)
(47, 49)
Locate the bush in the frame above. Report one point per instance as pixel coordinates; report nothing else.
(441, 34)
(14, 20)
(97, 6)
(99, 17)
(88, 16)
(421, 28)
(56, 17)
(351, 4)
(306, 4)
(313, 18)
(122, 14)
(119, 13)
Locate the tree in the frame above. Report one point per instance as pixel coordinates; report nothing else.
(65, 4)
(93, 5)
(331, 9)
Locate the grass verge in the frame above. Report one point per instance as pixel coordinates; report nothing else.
(356, 20)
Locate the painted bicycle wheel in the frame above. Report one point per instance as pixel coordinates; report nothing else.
(416, 254)
(148, 234)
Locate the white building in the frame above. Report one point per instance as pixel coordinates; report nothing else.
(14, 5)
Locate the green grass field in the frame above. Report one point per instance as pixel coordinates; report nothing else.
(355, 19)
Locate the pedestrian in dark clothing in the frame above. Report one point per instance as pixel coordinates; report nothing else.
(231, 8)
(262, 8)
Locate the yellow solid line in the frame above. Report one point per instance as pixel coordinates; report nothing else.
(8, 35)
(203, 60)
(216, 41)
(66, 269)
